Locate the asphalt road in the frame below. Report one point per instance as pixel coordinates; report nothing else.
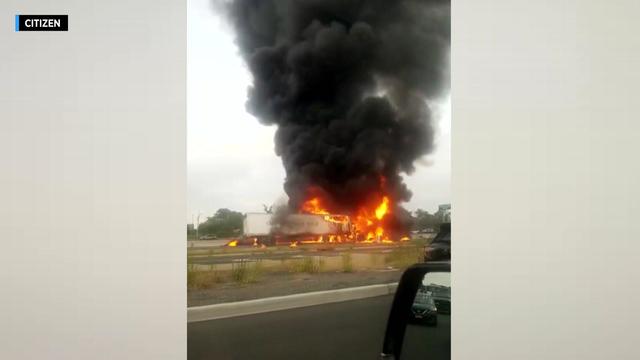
(428, 342)
(205, 244)
(218, 259)
(348, 330)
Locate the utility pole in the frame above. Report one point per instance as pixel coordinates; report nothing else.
(197, 226)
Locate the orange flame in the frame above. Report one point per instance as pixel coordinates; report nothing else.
(293, 244)
(232, 243)
(313, 206)
(368, 221)
(340, 219)
(382, 209)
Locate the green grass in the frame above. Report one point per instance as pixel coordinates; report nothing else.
(245, 272)
(202, 279)
(309, 265)
(421, 241)
(251, 271)
(191, 276)
(405, 256)
(347, 262)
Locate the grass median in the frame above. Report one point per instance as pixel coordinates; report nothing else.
(251, 267)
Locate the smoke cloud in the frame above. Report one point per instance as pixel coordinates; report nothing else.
(347, 83)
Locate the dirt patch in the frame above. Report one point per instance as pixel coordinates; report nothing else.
(284, 283)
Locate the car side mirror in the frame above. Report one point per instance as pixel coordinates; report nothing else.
(419, 324)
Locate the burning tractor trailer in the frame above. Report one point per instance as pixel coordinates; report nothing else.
(377, 221)
(262, 229)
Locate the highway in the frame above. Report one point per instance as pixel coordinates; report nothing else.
(285, 253)
(346, 330)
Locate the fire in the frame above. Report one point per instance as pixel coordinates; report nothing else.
(368, 222)
(313, 206)
(379, 231)
(293, 244)
(405, 238)
(382, 209)
(340, 219)
(232, 243)
(320, 240)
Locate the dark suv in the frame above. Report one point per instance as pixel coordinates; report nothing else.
(440, 246)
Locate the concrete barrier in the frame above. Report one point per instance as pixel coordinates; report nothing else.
(250, 307)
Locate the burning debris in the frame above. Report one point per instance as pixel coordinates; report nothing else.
(232, 243)
(347, 83)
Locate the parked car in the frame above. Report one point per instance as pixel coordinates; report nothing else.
(424, 310)
(441, 296)
(208, 237)
(433, 343)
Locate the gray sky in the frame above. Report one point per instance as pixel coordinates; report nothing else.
(230, 156)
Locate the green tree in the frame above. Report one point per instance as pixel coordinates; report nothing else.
(424, 220)
(224, 223)
(191, 232)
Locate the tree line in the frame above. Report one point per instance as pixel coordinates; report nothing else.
(224, 223)
(228, 223)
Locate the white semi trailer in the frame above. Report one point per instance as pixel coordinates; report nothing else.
(256, 224)
(257, 227)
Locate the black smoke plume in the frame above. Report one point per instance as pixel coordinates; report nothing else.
(347, 84)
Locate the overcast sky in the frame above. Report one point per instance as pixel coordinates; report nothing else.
(230, 156)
